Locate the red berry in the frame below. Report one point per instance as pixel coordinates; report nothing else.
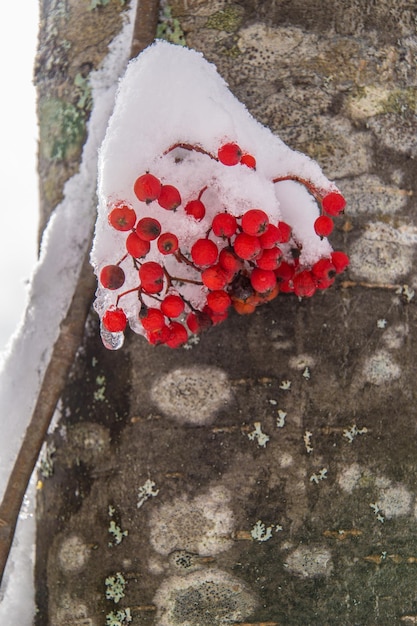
(285, 232)
(324, 273)
(136, 246)
(204, 252)
(340, 260)
(156, 337)
(323, 226)
(122, 217)
(263, 281)
(177, 335)
(224, 225)
(114, 320)
(169, 198)
(172, 305)
(148, 228)
(215, 316)
(151, 319)
(151, 276)
(218, 301)
(112, 277)
(255, 222)
(285, 271)
(147, 188)
(167, 243)
(269, 259)
(229, 261)
(229, 154)
(334, 203)
(247, 247)
(271, 237)
(249, 161)
(196, 209)
(215, 277)
(198, 321)
(304, 284)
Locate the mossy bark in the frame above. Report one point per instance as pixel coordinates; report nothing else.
(268, 474)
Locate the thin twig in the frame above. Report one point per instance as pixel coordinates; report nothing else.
(64, 350)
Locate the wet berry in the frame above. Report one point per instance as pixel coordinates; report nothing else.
(112, 277)
(177, 335)
(229, 261)
(340, 260)
(249, 161)
(269, 259)
(169, 198)
(285, 232)
(114, 320)
(255, 222)
(167, 243)
(263, 281)
(122, 217)
(136, 246)
(196, 209)
(323, 226)
(229, 154)
(247, 247)
(147, 188)
(148, 228)
(151, 276)
(198, 321)
(204, 252)
(304, 284)
(151, 318)
(215, 277)
(218, 301)
(271, 237)
(172, 305)
(224, 225)
(334, 203)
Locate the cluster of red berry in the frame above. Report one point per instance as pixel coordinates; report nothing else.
(241, 261)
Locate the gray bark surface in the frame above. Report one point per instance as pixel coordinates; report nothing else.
(267, 475)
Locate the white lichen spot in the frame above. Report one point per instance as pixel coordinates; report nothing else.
(146, 491)
(381, 323)
(395, 336)
(395, 501)
(307, 441)
(206, 597)
(380, 368)
(46, 465)
(349, 477)
(115, 587)
(319, 476)
(260, 532)
(192, 395)
(202, 525)
(285, 385)
(286, 460)
(261, 437)
(383, 254)
(118, 618)
(281, 418)
(273, 402)
(309, 562)
(73, 554)
(351, 433)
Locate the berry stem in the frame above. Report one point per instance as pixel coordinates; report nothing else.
(201, 193)
(181, 258)
(126, 292)
(122, 259)
(191, 148)
(311, 188)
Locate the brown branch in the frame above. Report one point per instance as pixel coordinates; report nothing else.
(64, 350)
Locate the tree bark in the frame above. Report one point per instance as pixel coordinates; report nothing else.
(267, 475)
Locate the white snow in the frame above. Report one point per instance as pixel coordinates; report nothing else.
(52, 285)
(171, 95)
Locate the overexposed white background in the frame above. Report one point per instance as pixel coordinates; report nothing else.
(18, 148)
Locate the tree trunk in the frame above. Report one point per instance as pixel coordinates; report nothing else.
(267, 475)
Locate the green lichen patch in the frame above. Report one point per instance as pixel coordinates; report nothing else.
(228, 19)
(62, 129)
(169, 28)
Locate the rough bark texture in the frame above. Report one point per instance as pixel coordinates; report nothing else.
(268, 474)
